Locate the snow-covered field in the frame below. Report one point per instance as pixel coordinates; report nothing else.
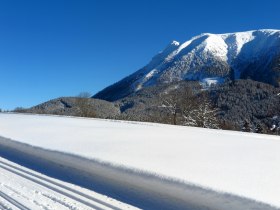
(23, 189)
(207, 169)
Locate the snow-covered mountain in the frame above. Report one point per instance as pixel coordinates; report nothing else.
(252, 54)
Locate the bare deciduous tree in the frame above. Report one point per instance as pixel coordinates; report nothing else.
(171, 102)
(200, 112)
(20, 110)
(190, 109)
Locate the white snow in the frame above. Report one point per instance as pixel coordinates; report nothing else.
(231, 44)
(161, 56)
(142, 81)
(212, 43)
(209, 81)
(216, 45)
(37, 191)
(242, 164)
(235, 42)
(175, 43)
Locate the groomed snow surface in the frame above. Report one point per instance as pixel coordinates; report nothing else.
(149, 165)
(22, 188)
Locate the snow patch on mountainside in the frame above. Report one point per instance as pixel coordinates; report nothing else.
(208, 82)
(162, 56)
(235, 42)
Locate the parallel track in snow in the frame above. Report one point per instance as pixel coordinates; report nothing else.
(13, 201)
(80, 197)
(56, 186)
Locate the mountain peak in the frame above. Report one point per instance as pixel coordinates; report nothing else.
(175, 43)
(251, 54)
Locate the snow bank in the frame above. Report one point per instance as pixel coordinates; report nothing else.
(153, 164)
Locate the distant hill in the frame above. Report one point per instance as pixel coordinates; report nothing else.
(70, 106)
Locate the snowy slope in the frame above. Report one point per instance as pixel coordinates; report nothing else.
(242, 164)
(231, 55)
(22, 188)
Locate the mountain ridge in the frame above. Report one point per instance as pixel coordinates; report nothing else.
(252, 54)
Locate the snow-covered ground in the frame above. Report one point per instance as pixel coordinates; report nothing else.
(209, 169)
(210, 81)
(22, 188)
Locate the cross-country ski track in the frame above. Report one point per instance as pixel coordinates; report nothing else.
(24, 189)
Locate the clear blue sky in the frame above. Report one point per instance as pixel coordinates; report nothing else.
(52, 48)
